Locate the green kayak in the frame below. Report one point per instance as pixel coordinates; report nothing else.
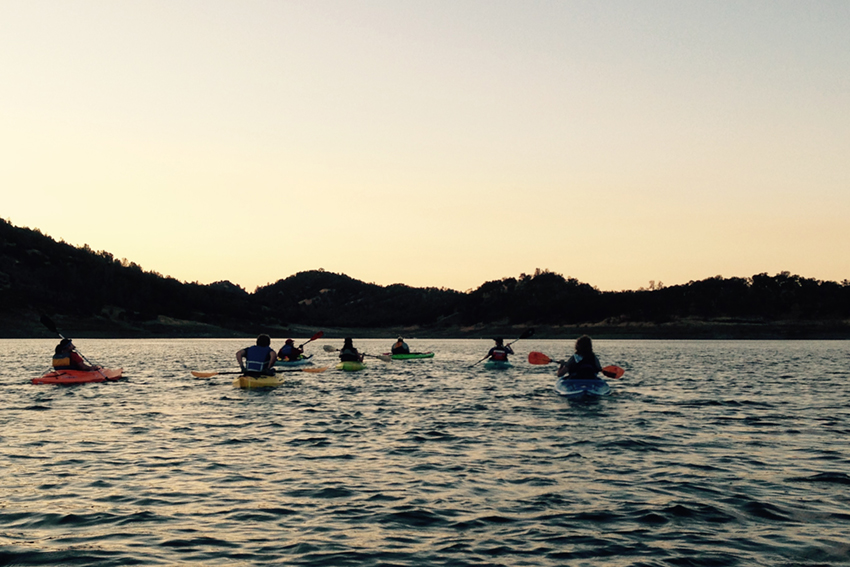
(410, 356)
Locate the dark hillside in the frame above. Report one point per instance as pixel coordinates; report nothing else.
(92, 293)
(326, 299)
(40, 275)
(545, 298)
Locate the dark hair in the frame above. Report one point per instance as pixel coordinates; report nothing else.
(499, 340)
(63, 345)
(584, 346)
(346, 341)
(264, 340)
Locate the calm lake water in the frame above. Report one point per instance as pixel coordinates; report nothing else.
(707, 453)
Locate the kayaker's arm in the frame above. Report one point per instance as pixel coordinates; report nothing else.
(80, 363)
(241, 354)
(270, 360)
(606, 373)
(564, 366)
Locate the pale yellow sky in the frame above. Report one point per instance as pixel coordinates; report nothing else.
(442, 143)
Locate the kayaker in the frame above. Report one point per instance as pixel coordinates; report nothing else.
(348, 353)
(501, 351)
(66, 357)
(400, 347)
(258, 359)
(583, 365)
(289, 351)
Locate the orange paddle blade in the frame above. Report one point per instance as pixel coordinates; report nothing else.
(197, 374)
(315, 370)
(535, 357)
(618, 372)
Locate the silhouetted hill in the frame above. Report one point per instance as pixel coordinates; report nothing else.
(327, 299)
(100, 292)
(92, 293)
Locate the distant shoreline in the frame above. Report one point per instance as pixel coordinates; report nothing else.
(689, 329)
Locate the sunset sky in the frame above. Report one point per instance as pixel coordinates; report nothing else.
(433, 143)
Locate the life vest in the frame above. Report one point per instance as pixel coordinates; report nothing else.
(498, 353)
(583, 367)
(62, 362)
(68, 361)
(349, 354)
(401, 348)
(288, 352)
(257, 357)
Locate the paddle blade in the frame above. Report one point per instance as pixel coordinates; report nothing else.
(318, 335)
(197, 374)
(615, 370)
(315, 370)
(48, 322)
(329, 348)
(384, 357)
(535, 357)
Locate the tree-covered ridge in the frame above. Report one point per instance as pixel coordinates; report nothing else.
(329, 299)
(39, 275)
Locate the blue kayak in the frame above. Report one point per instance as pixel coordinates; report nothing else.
(298, 362)
(497, 364)
(578, 389)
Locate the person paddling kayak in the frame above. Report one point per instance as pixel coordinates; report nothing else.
(348, 353)
(583, 365)
(400, 347)
(66, 357)
(259, 359)
(500, 352)
(289, 351)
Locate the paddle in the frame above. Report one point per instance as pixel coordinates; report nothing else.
(612, 371)
(525, 334)
(383, 357)
(198, 374)
(318, 335)
(51, 326)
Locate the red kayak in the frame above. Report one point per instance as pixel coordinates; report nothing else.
(79, 376)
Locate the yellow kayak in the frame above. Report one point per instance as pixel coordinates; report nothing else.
(258, 382)
(351, 366)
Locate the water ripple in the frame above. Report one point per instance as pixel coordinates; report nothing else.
(690, 462)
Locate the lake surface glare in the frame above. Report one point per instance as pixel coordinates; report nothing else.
(708, 453)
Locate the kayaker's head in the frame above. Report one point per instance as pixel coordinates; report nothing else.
(347, 342)
(584, 346)
(264, 340)
(499, 341)
(401, 339)
(64, 345)
(289, 342)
